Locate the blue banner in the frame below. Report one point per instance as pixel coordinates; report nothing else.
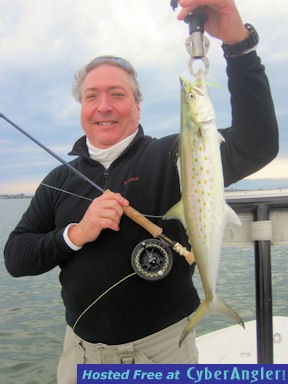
(182, 373)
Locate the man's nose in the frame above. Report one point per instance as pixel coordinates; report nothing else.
(103, 104)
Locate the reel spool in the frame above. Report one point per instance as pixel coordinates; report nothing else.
(152, 259)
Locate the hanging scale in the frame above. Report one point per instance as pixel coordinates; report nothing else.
(197, 44)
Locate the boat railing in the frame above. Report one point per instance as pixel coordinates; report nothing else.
(264, 220)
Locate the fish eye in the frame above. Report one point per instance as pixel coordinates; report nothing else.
(191, 96)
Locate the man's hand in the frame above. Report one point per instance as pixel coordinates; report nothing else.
(104, 212)
(224, 21)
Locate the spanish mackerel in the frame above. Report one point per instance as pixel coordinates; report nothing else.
(202, 209)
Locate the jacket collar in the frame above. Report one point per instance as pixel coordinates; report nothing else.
(80, 146)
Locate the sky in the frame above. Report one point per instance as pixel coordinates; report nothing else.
(44, 42)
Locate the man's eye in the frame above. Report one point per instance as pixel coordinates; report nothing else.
(118, 94)
(92, 96)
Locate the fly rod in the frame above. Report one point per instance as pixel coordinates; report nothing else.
(132, 213)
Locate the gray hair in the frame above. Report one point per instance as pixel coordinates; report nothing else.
(108, 60)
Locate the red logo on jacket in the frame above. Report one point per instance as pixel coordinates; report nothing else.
(131, 180)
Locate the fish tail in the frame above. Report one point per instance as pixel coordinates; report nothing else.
(219, 306)
(215, 306)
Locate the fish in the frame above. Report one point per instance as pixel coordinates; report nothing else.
(202, 208)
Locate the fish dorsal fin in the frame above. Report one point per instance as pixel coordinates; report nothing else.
(176, 212)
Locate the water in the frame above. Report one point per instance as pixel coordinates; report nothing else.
(32, 321)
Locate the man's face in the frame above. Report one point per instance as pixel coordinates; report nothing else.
(109, 112)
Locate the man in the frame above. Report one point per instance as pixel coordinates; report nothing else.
(138, 321)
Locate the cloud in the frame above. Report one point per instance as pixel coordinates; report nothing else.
(45, 31)
(145, 31)
(277, 169)
(44, 42)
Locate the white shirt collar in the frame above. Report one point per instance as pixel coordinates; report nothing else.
(107, 156)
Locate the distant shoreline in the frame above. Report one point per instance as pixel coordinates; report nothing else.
(15, 196)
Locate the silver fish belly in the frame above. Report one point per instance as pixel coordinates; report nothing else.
(202, 208)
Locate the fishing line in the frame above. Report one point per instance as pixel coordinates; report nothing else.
(100, 297)
(67, 192)
(87, 198)
(74, 170)
(132, 213)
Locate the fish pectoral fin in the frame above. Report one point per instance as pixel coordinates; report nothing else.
(231, 216)
(202, 137)
(176, 212)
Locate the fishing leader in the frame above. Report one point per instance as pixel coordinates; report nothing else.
(139, 321)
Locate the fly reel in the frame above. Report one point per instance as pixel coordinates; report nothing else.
(152, 259)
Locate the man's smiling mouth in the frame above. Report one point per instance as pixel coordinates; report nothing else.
(105, 123)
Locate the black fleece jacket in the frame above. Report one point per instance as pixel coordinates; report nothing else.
(147, 176)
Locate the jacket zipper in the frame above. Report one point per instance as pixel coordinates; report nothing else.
(107, 170)
(106, 175)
